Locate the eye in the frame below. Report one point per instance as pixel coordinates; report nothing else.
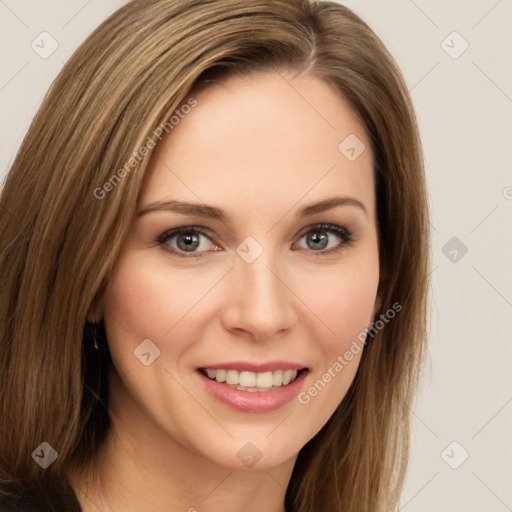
(320, 239)
(188, 239)
(191, 241)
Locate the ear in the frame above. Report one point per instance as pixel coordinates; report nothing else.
(95, 313)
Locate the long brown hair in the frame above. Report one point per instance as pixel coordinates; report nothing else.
(59, 241)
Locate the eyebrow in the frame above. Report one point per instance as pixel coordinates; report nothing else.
(212, 212)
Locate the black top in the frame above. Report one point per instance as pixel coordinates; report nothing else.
(30, 502)
(20, 504)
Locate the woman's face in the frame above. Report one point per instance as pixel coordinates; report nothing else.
(253, 290)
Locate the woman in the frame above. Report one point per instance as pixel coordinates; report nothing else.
(214, 248)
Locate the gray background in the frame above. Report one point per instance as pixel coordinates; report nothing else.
(464, 105)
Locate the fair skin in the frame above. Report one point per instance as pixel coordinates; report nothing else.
(261, 148)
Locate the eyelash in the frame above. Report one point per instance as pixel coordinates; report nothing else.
(344, 234)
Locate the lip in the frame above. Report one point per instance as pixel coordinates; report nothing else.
(246, 366)
(254, 401)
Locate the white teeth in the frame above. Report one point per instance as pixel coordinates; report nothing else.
(263, 380)
(251, 381)
(247, 379)
(288, 375)
(232, 377)
(277, 378)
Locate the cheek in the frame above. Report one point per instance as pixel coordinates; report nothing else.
(145, 300)
(139, 301)
(348, 310)
(343, 300)
(149, 295)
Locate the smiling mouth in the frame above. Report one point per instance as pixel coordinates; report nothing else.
(252, 381)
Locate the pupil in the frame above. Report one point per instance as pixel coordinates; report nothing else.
(191, 242)
(320, 240)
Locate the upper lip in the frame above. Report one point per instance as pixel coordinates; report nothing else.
(269, 366)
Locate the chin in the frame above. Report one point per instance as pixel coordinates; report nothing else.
(255, 452)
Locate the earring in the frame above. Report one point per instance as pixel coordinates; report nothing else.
(95, 338)
(92, 327)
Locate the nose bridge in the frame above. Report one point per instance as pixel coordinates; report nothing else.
(259, 301)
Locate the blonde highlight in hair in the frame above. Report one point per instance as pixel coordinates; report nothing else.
(59, 242)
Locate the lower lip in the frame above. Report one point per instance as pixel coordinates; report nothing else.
(254, 401)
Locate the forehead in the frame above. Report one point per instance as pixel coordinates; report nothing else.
(270, 138)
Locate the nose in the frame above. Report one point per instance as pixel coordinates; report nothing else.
(259, 300)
